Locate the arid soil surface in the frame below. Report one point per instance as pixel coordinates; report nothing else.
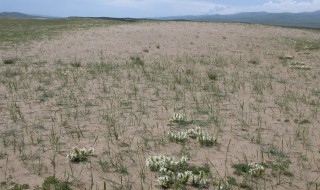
(255, 88)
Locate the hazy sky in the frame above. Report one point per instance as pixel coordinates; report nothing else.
(153, 8)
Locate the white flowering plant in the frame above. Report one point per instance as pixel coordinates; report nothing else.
(256, 169)
(80, 154)
(177, 137)
(203, 138)
(172, 172)
(179, 118)
(251, 169)
(206, 140)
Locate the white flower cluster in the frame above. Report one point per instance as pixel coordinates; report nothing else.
(165, 163)
(169, 174)
(178, 118)
(256, 169)
(203, 138)
(194, 133)
(200, 180)
(177, 137)
(206, 139)
(79, 154)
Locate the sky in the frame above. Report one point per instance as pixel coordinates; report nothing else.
(153, 8)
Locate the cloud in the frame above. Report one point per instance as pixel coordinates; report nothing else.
(149, 8)
(156, 8)
(277, 6)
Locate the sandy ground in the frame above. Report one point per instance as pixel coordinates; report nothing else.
(142, 120)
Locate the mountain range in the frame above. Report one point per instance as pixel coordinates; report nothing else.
(20, 15)
(304, 19)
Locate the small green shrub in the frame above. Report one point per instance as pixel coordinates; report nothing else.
(254, 61)
(52, 183)
(251, 169)
(137, 60)
(2, 155)
(10, 61)
(212, 75)
(76, 64)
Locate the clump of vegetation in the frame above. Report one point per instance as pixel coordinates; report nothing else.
(212, 75)
(13, 186)
(10, 61)
(286, 57)
(279, 166)
(251, 169)
(307, 45)
(80, 154)
(299, 65)
(76, 64)
(137, 60)
(53, 183)
(177, 173)
(206, 139)
(179, 118)
(203, 138)
(177, 137)
(2, 155)
(254, 61)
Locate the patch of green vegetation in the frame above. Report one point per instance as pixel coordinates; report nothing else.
(9, 61)
(52, 183)
(280, 166)
(250, 169)
(212, 75)
(13, 186)
(2, 155)
(254, 61)
(15, 31)
(275, 151)
(307, 45)
(137, 60)
(10, 73)
(177, 174)
(304, 121)
(46, 95)
(76, 64)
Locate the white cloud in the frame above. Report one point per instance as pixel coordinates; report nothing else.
(277, 6)
(149, 8)
(165, 7)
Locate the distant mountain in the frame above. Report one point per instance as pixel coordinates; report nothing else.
(305, 19)
(20, 15)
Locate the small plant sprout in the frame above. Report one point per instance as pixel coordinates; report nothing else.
(179, 118)
(80, 154)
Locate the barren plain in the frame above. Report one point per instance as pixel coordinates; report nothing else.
(133, 91)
